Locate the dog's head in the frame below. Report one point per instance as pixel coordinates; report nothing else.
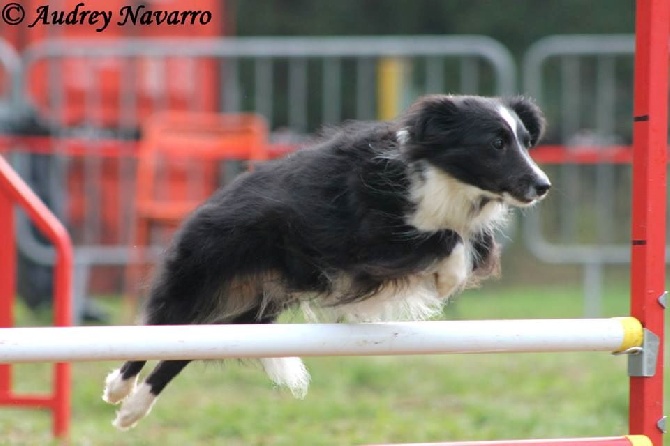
(480, 141)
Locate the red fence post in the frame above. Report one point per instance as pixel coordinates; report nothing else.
(649, 202)
(7, 282)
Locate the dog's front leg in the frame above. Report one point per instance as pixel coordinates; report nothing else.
(452, 272)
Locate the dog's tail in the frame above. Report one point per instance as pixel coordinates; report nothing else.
(290, 372)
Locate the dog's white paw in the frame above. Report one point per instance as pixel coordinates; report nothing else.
(137, 405)
(452, 272)
(289, 372)
(117, 388)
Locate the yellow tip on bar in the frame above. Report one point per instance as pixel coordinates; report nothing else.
(638, 440)
(633, 335)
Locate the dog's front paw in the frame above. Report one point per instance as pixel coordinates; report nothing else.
(452, 273)
(137, 405)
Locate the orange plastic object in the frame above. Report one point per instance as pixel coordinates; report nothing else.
(178, 167)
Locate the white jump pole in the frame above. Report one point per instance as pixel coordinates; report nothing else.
(61, 344)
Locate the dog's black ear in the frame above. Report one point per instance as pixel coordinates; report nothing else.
(429, 117)
(530, 114)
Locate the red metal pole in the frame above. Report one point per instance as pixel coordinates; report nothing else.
(7, 283)
(62, 318)
(649, 202)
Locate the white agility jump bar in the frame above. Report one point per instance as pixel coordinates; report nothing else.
(61, 344)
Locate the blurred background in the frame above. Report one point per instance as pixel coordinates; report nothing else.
(123, 132)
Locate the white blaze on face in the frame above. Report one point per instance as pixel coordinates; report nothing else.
(512, 122)
(509, 119)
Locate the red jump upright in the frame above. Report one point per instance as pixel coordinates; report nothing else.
(650, 127)
(13, 191)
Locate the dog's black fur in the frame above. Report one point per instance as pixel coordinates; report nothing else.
(336, 223)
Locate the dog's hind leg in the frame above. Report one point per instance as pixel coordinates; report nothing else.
(139, 402)
(121, 382)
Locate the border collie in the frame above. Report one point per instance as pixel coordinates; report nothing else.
(376, 221)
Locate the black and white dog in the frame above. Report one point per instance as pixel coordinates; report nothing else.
(377, 221)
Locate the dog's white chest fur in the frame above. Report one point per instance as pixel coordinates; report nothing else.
(442, 202)
(417, 297)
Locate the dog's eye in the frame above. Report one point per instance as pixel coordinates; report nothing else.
(498, 144)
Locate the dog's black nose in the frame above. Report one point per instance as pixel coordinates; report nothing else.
(541, 188)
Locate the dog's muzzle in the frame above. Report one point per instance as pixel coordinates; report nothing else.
(527, 191)
(538, 189)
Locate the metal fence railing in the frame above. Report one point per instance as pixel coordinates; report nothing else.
(100, 92)
(584, 84)
(294, 82)
(10, 73)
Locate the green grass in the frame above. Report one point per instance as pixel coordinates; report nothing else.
(368, 400)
